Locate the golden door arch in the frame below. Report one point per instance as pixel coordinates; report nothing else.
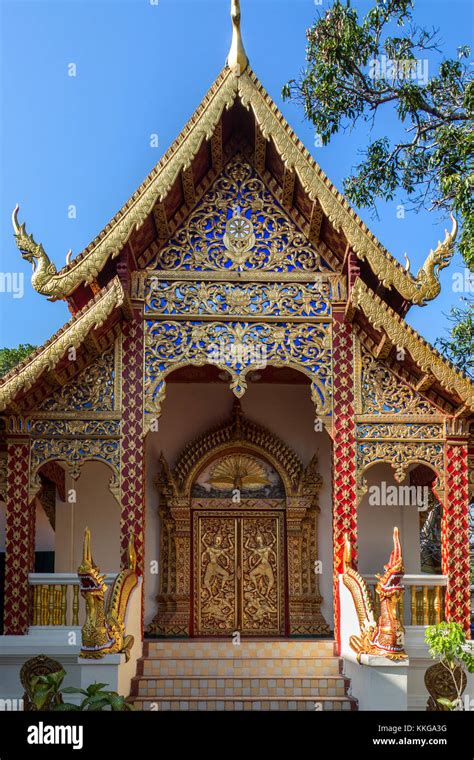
(238, 543)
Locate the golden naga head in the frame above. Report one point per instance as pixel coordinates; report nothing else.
(237, 60)
(427, 278)
(390, 582)
(91, 581)
(28, 247)
(444, 251)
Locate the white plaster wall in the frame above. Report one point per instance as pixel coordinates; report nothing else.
(375, 528)
(190, 409)
(95, 508)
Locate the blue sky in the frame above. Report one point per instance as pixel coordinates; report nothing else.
(143, 68)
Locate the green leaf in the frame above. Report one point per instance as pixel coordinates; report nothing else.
(73, 690)
(10, 357)
(95, 687)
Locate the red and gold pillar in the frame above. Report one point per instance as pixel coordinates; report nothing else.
(132, 442)
(344, 469)
(455, 534)
(20, 538)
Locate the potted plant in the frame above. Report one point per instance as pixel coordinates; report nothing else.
(447, 679)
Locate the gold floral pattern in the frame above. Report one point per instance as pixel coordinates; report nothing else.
(239, 226)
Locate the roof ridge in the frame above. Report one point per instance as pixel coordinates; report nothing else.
(381, 315)
(93, 314)
(226, 88)
(417, 290)
(108, 243)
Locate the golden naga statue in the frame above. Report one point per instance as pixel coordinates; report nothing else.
(104, 629)
(385, 637)
(427, 279)
(44, 271)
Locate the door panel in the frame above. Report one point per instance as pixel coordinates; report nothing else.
(239, 573)
(216, 576)
(262, 590)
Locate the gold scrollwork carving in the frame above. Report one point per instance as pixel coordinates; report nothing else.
(76, 427)
(232, 299)
(388, 271)
(400, 455)
(239, 226)
(238, 348)
(236, 430)
(383, 393)
(75, 452)
(399, 431)
(72, 335)
(382, 317)
(93, 389)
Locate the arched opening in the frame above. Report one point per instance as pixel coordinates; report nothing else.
(63, 507)
(424, 478)
(386, 504)
(79, 512)
(198, 399)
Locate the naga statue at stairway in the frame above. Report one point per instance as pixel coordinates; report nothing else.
(385, 637)
(104, 629)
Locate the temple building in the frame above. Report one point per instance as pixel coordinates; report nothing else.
(240, 415)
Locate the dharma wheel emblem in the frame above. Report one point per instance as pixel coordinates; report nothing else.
(239, 237)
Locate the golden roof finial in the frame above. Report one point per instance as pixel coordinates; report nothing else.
(237, 60)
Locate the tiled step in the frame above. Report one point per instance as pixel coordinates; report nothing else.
(256, 667)
(217, 675)
(248, 704)
(226, 649)
(206, 688)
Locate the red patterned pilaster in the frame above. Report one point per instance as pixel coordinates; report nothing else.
(132, 443)
(455, 534)
(344, 452)
(19, 538)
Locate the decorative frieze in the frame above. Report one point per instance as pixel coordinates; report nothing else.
(187, 298)
(238, 348)
(399, 431)
(104, 428)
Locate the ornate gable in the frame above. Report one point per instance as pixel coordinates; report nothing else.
(382, 392)
(92, 390)
(239, 227)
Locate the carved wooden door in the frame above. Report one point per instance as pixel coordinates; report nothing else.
(239, 573)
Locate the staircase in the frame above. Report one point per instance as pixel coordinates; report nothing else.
(197, 674)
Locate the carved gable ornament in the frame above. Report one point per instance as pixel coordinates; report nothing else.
(238, 227)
